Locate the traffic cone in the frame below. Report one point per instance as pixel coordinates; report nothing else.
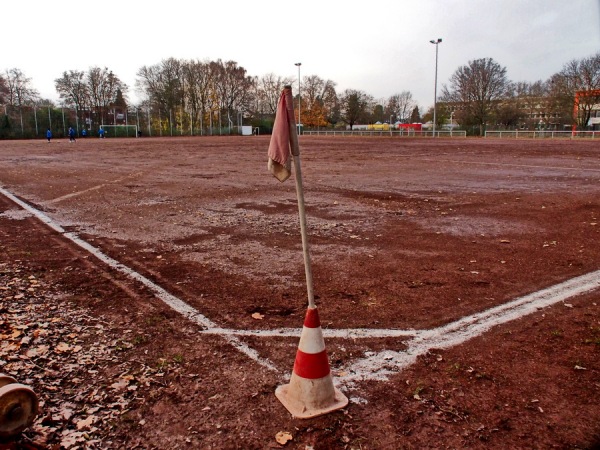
(310, 392)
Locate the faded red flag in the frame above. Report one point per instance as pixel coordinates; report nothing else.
(280, 163)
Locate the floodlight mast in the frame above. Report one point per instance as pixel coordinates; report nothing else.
(435, 42)
(299, 97)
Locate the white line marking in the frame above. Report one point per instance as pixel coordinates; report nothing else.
(93, 188)
(382, 364)
(527, 166)
(357, 333)
(175, 303)
(375, 366)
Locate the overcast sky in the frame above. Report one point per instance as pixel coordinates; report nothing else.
(380, 47)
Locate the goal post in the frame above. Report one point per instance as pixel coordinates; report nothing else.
(120, 130)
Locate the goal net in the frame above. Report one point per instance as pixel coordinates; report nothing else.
(120, 130)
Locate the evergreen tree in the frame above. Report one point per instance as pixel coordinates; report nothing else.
(4, 127)
(415, 116)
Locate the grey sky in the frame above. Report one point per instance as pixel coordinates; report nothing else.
(379, 47)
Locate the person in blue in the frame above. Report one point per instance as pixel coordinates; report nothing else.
(71, 135)
(83, 133)
(48, 134)
(101, 132)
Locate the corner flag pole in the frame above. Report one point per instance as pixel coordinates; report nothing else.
(310, 392)
(295, 148)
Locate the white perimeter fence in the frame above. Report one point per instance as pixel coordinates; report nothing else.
(543, 134)
(517, 134)
(385, 133)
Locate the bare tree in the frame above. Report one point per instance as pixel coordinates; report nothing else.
(269, 88)
(73, 90)
(579, 76)
(3, 90)
(478, 87)
(163, 84)
(401, 105)
(319, 99)
(20, 92)
(103, 86)
(527, 103)
(233, 87)
(198, 90)
(354, 106)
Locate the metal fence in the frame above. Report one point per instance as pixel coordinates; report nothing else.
(399, 133)
(521, 134)
(31, 122)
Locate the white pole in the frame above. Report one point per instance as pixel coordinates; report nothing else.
(35, 117)
(436, 43)
(299, 98)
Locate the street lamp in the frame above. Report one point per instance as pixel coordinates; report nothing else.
(435, 42)
(299, 121)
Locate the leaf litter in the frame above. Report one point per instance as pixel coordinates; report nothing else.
(59, 350)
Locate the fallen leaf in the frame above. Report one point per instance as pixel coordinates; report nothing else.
(283, 437)
(258, 316)
(86, 422)
(120, 385)
(62, 347)
(66, 413)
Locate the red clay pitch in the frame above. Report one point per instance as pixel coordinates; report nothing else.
(404, 234)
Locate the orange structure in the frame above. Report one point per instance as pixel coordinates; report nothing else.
(578, 95)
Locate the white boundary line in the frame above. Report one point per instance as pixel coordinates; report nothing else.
(382, 364)
(500, 164)
(173, 302)
(85, 191)
(375, 366)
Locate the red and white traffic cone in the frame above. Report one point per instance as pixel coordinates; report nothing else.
(310, 392)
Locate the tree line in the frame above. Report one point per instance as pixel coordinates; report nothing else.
(197, 97)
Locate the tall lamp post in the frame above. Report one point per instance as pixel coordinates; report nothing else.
(299, 97)
(435, 42)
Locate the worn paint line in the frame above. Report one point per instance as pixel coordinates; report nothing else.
(377, 366)
(383, 364)
(93, 188)
(170, 300)
(501, 164)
